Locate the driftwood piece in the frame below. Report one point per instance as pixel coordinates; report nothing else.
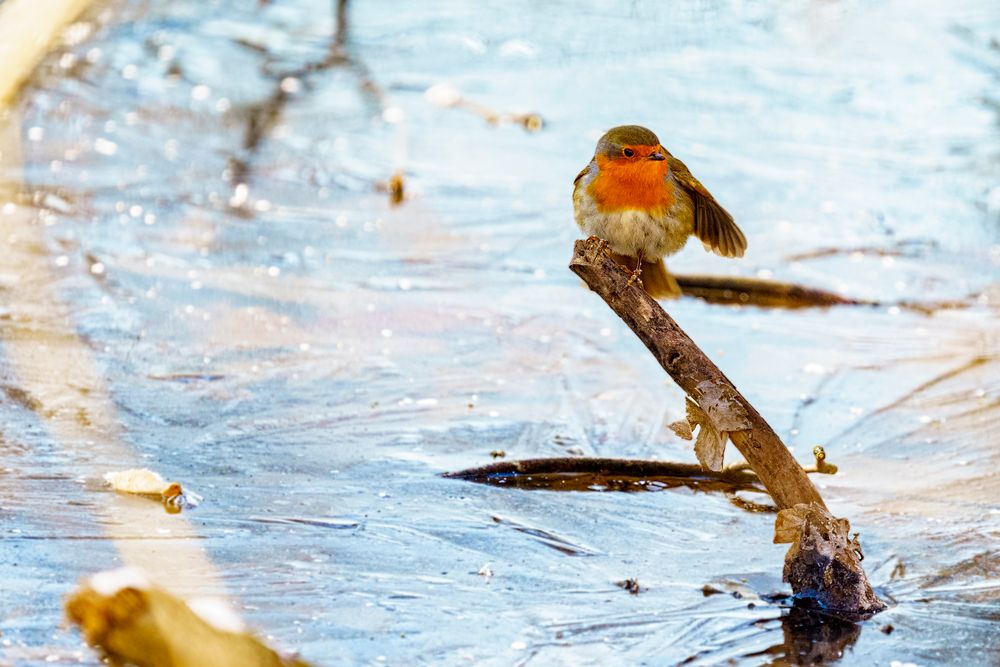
(136, 623)
(694, 372)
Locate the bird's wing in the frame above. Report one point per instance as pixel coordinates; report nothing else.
(576, 181)
(712, 223)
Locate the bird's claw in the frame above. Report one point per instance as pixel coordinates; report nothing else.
(634, 278)
(602, 245)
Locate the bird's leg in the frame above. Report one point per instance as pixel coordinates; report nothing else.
(635, 277)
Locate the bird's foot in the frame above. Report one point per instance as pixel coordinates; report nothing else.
(602, 246)
(635, 276)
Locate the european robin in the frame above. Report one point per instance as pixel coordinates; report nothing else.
(645, 203)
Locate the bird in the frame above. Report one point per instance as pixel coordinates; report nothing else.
(645, 204)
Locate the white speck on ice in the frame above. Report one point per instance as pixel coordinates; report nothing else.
(443, 95)
(393, 115)
(105, 146)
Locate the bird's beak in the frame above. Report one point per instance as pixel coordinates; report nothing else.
(657, 156)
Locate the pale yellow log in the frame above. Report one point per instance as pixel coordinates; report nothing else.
(27, 28)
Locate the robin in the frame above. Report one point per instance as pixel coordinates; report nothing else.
(645, 203)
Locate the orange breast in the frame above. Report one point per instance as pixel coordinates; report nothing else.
(638, 184)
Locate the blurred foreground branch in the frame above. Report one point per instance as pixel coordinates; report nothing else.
(133, 622)
(27, 27)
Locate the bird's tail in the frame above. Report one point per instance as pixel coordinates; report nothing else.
(656, 280)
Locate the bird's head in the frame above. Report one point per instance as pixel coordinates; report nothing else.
(631, 146)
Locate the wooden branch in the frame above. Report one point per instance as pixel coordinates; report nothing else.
(690, 368)
(824, 562)
(759, 292)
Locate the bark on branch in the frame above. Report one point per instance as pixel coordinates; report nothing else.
(693, 371)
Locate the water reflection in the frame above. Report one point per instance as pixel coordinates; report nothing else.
(811, 637)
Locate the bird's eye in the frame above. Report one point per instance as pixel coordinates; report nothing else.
(628, 152)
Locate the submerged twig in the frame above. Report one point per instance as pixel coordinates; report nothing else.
(576, 473)
(760, 292)
(573, 473)
(263, 116)
(447, 96)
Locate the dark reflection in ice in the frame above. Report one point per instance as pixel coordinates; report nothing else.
(204, 179)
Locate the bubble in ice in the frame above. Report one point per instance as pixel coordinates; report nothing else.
(393, 115)
(105, 146)
(443, 95)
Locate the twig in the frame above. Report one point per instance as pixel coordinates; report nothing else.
(692, 369)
